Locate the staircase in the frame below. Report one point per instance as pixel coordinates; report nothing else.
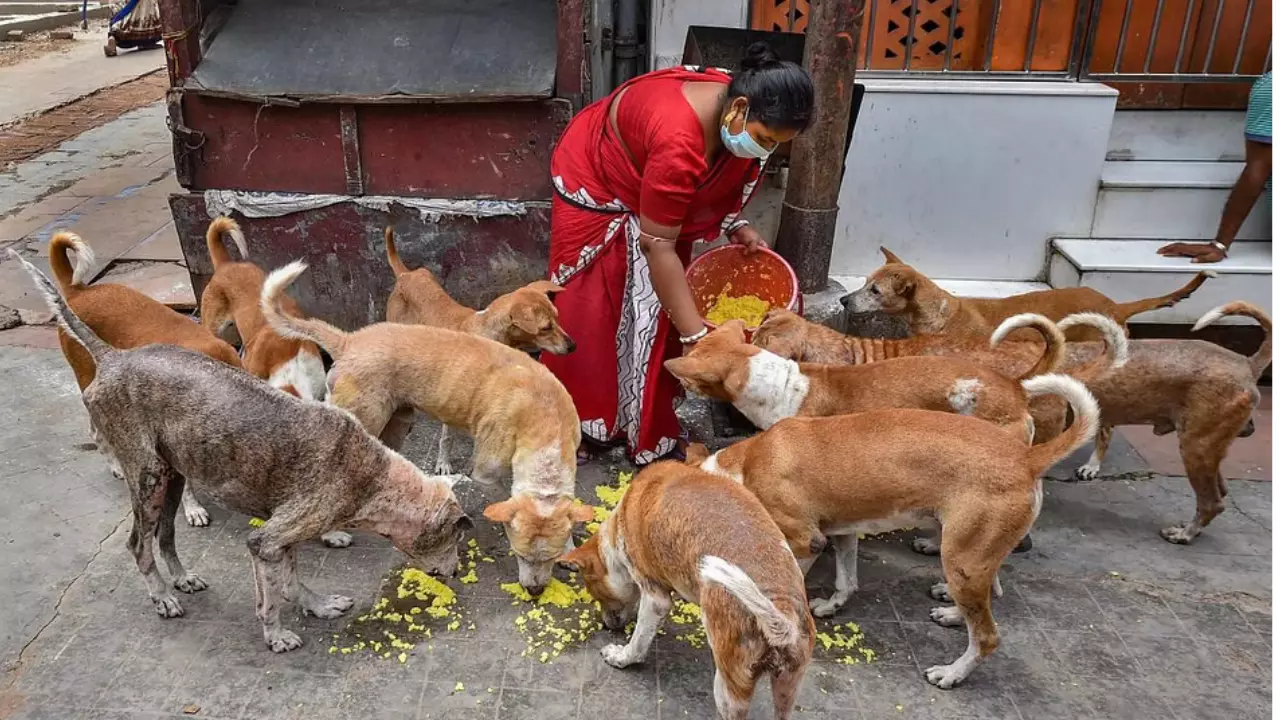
(1165, 179)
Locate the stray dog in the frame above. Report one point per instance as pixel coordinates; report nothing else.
(884, 470)
(521, 417)
(124, 318)
(898, 289)
(791, 336)
(732, 561)
(524, 319)
(1204, 392)
(767, 388)
(171, 415)
(232, 296)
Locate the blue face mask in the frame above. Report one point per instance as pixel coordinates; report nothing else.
(742, 144)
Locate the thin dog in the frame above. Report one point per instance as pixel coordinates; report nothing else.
(710, 541)
(523, 420)
(173, 416)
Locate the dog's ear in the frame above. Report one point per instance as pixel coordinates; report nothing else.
(696, 454)
(502, 512)
(545, 286)
(889, 257)
(736, 329)
(577, 558)
(904, 286)
(582, 513)
(525, 318)
(693, 369)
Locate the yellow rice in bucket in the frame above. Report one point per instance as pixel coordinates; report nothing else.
(747, 308)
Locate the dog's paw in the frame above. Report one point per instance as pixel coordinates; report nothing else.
(283, 640)
(947, 616)
(926, 545)
(443, 466)
(336, 539)
(616, 655)
(328, 607)
(190, 583)
(1179, 534)
(168, 607)
(940, 592)
(196, 515)
(1088, 471)
(944, 676)
(825, 608)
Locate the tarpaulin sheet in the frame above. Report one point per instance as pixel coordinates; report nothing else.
(368, 49)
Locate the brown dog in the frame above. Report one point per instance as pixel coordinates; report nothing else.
(898, 289)
(125, 319)
(233, 296)
(791, 336)
(884, 470)
(709, 540)
(1204, 392)
(767, 388)
(524, 319)
(523, 420)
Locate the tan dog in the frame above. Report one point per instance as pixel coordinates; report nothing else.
(898, 289)
(710, 541)
(884, 470)
(791, 336)
(524, 319)
(767, 388)
(521, 417)
(125, 319)
(1203, 391)
(233, 295)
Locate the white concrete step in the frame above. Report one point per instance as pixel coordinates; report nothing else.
(963, 288)
(1126, 269)
(1206, 135)
(1171, 199)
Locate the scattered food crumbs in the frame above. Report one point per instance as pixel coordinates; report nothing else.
(459, 688)
(688, 619)
(564, 616)
(609, 496)
(747, 308)
(190, 709)
(899, 708)
(411, 602)
(844, 641)
(257, 522)
(1115, 574)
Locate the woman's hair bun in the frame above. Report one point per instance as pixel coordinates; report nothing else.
(759, 57)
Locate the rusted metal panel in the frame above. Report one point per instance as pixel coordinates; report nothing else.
(249, 146)
(483, 150)
(351, 150)
(180, 30)
(573, 75)
(348, 280)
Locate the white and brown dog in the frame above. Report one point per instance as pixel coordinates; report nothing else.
(678, 529)
(877, 471)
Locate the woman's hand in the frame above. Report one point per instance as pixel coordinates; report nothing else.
(749, 238)
(1198, 253)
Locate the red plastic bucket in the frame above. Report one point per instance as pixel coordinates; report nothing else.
(764, 274)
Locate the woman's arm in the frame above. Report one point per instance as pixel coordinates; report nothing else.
(658, 244)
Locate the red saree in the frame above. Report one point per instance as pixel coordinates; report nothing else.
(609, 306)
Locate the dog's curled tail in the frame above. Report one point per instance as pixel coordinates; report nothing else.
(778, 629)
(1260, 359)
(213, 239)
(1115, 351)
(393, 255)
(1083, 427)
(68, 278)
(333, 340)
(1129, 309)
(62, 312)
(1055, 345)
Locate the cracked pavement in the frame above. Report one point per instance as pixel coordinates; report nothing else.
(1101, 619)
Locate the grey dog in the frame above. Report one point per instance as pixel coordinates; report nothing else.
(171, 415)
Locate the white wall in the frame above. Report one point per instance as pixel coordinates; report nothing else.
(969, 179)
(671, 20)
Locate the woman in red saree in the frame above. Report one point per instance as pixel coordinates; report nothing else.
(668, 159)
